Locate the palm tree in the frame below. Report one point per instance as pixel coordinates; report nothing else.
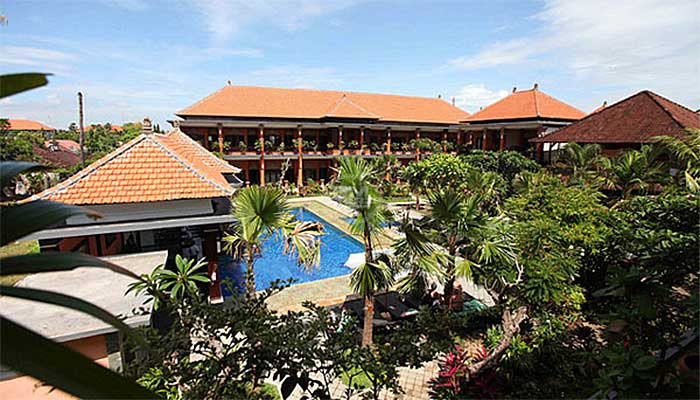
(686, 152)
(261, 212)
(580, 160)
(635, 169)
(459, 225)
(353, 184)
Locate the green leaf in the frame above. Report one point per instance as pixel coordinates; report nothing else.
(27, 352)
(644, 363)
(55, 261)
(19, 221)
(71, 302)
(17, 83)
(10, 169)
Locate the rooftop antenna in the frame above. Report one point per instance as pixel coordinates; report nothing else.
(536, 86)
(514, 89)
(82, 127)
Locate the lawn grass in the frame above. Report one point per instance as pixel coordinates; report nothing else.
(359, 379)
(17, 249)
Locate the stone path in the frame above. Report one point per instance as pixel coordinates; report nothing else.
(413, 382)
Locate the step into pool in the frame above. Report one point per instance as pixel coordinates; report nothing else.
(336, 247)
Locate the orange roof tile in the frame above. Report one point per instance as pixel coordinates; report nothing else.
(28, 125)
(113, 127)
(527, 104)
(152, 167)
(262, 102)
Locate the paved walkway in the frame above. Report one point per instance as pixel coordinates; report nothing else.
(413, 382)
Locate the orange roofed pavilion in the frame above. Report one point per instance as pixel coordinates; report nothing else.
(509, 123)
(156, 192)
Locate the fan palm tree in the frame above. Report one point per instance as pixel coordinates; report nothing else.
(686, 152)
(459, 225)
(635, 169)
(260, 212)
(353, 184)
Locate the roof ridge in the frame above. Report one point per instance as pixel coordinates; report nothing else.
(537, 106)
(654, 96)
(202, 150)
(93, 167)
(188, 165)
(345, 98)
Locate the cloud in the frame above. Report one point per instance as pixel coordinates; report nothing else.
(619, 43)
(129, 5)
(223, 19)
(473, 97)
(33, 56)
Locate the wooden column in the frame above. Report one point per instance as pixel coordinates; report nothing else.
(212, 266)
(417, 148)
(459, 137)
(340, 138)
(444, 141)
(300, 162)
(362, 139)
(247, 171)
(388, 140)
(261, 138)
(502, 143)
(221, 139)
(483, 140)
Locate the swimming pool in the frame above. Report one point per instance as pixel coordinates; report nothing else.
(336, 247)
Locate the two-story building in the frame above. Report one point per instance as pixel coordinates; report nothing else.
(257, 129)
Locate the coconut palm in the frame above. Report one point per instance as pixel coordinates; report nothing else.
(635, 169)
(353, 184)
(261, 212)
(686, 152)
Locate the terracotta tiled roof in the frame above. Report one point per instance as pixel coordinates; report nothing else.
(113, 127)
(28, 125)
(601, 108)
(61, 158)
(149, 168)
(636, 119)
(527, 104)
(261, 102)
(64, 144)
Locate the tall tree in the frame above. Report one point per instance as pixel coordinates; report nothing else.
(261, 212)
(633, 170)
(686, 154)
(580, 161)
(353, 184)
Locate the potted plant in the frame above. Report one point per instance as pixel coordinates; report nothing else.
(280, 148)
(449, 146)
(405, 148)
(374, 147)
(258, 145)
(242, 147)
(353, 145)
(344, 149)
(268, 146)
(331, 147)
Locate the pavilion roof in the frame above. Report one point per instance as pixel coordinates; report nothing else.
(265, 102)
(636, 119)
(28, 125)
(151, 167)
(527, 104)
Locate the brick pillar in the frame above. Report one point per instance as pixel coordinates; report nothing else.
(362, 139)
(388, 140)
(300, 163)
(417, 139)
(261, 138)
(484, 138)
(502, 143)
(221, 139)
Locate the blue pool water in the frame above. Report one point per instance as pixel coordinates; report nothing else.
(336, 247)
